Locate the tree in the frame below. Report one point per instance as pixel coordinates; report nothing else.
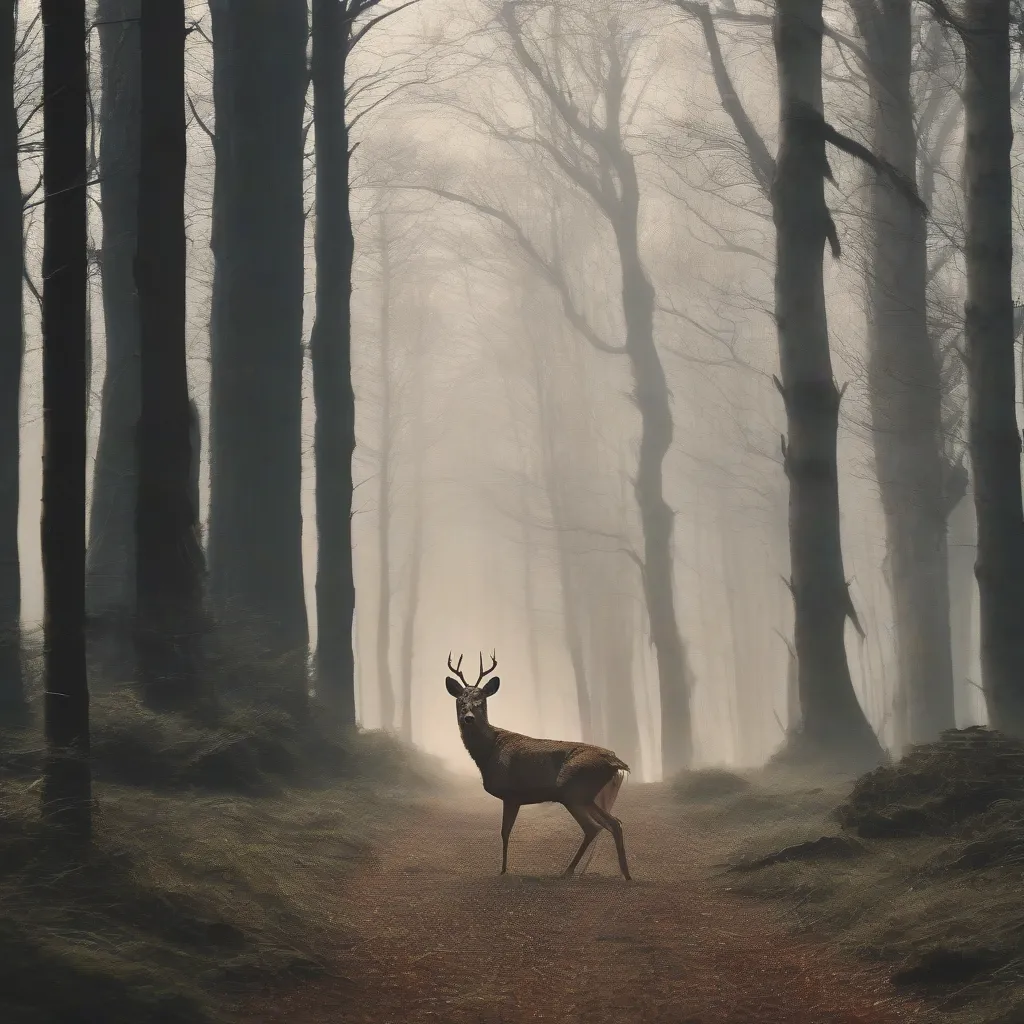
(832, 722)
(385, 445)
(984, 26)
(594, 156)
(336, 30)
(833, 725)
(416, 455)
(110, 564)
(255, 523)
(12, 690)
(67, 786)
(169, 558)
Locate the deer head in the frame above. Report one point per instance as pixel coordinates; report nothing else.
(471, 701)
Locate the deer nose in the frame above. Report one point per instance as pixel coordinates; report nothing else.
(469, 717)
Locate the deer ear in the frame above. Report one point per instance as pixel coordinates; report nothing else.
(455, 688)
(490, 688)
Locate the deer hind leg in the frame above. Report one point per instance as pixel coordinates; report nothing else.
(605, 799)
(510, 811)
(613, 825)
(591, 830)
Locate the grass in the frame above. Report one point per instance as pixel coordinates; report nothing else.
(918, 865)
(220, 860)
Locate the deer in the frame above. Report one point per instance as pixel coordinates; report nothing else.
(519, 770)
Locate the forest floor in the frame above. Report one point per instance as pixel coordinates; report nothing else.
(436, 934)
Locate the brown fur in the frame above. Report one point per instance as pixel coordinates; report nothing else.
(521, 770)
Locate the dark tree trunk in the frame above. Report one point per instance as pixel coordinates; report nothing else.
(834, 725)
(67, 786)
(255, 527)
(906, 391)
(169, 558)
(995, 443)
(12, 687)
(384, 681)
(331, 352)
(110, 564)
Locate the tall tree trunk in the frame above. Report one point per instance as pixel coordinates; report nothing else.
(530, 604)
(384, 681)
(169, 558)
(906, 390)
(67, 784)
(110, 561)
(12, 687)
(331, 353)
(413, 583)
(412, 603)
(834, 724)
(963, 552)
(995, 443)
(553, 471)
(255, 528)
(675, 677)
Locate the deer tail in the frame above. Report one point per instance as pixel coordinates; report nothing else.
(606, 798)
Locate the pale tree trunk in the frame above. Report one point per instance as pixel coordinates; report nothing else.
(620, 204)
(963, 590)
(834, 725)
(675, 676)
(255, 526)
(12, 687)
(331, 355)
(110, 564)
(412, 603)
(413, 584)
(384, 680)
(906, 389)
(554, 472)
(530, 604)
(995, 443)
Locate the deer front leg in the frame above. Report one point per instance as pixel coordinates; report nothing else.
(590, 832)
(510, 811)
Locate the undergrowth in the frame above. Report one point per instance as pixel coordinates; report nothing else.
(917, 865)
(220, 860)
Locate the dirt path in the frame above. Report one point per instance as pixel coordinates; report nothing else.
(442, 937)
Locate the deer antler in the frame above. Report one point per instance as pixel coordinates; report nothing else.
(483, 671)
(457, 668)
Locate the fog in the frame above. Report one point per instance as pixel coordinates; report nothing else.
(515, 400)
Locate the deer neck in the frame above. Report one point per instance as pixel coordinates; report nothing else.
(478, 738)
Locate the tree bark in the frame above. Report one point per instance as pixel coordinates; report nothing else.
(906, 389)
(384, 680)
(412, 603)
(606, 149)
(12, 344)
(110, 559)
(963, 552)
(994, 440)
(169, 558)
(834, 725)
(255, 526)
(413, 583)
(675, 677)
(67, 786)
(331, 352)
